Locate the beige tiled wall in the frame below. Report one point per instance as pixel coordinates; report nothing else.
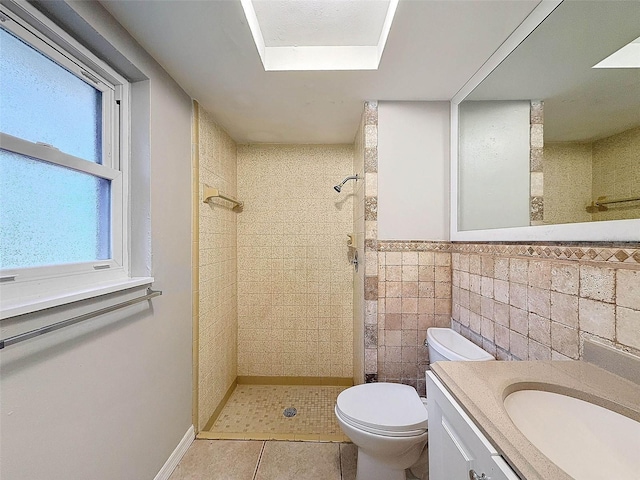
(567, 182)
(578, 173)
(540, 308)
(217, 305)
(414, 294)
(295, 286)
(616, 173)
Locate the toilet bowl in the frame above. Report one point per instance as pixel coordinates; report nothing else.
(388, 421)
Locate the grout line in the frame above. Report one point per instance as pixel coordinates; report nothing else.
(255, 472)
(340, 460)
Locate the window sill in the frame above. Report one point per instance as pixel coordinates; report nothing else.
(24, 306)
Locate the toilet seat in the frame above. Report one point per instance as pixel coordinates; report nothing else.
(388, 409)
(375, 431)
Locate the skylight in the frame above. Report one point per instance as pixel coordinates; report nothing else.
(320, 34)
(627, 57)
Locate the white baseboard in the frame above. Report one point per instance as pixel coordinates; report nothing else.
(173, 460)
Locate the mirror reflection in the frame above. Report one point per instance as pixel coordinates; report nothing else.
(552, 135)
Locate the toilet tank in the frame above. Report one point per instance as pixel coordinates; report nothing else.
(448, 345)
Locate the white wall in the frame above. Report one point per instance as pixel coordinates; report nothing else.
(494, 174)
(413, 170)
(111, 398)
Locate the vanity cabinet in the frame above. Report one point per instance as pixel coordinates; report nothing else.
(458, 450)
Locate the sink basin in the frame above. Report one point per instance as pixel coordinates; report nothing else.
(585, 440)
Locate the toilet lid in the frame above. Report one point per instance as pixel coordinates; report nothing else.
(385, 407)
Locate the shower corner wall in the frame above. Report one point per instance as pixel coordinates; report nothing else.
(195, 260)
(215, 335)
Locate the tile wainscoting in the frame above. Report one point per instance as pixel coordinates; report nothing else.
(537, 302)
(414, 294)
(517, 301)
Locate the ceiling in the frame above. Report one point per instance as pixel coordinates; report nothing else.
(433, 48)
(311, 22)
(312, 35)
(554, 64)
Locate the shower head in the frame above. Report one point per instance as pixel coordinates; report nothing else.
(338, 187)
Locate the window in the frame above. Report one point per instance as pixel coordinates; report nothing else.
(63, 189)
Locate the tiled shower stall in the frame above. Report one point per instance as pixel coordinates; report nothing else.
(303, 312)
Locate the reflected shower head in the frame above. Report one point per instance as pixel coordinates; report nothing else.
(338, 187)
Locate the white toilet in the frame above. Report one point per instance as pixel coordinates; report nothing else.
(388, 421)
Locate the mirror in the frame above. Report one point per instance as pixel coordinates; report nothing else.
(547, 139)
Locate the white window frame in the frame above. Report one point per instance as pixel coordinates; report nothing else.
(25, 290)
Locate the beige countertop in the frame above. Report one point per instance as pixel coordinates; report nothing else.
(480, 388)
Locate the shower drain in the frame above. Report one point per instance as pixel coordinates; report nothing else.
(290, 412)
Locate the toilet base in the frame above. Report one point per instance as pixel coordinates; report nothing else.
(369, 468)
(420, 469)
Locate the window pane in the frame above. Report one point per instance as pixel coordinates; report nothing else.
(50, 214)
(42, 102)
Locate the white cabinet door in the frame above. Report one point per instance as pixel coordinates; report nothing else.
(457, 457)
(457, 448)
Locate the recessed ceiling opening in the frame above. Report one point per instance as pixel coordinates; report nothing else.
(320, 34)
(627, 57)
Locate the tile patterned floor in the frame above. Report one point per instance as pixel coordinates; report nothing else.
(270, 460)
(255, 412)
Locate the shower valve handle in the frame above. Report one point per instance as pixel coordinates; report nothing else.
(474, 476)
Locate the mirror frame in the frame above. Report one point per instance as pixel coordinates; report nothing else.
(602, 231)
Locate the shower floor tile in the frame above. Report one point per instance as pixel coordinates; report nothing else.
(255, 412)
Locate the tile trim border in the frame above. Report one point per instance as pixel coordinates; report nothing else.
(370, 118)
(414, 246)
(223, 402)
(288, 437)
(536, 162)
(628, 254)
(613, 253)
(304, 381)
(195, 265)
